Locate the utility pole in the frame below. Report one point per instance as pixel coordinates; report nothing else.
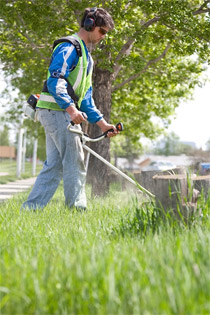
(24, 152)
(34, 157)
(19, 152)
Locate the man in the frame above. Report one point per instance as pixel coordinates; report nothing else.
(66, 94)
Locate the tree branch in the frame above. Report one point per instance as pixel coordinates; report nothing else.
(201, 9)
(29, 39)
(129, 44)
(150, 22)
(76, 11)
(149, 63)
(126, 48)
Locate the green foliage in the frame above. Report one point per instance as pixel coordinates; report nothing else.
(116, 258)
(148, 54)
(123, 146)
(171, 145)
(4, 136)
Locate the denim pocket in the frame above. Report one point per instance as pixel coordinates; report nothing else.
(48, 120)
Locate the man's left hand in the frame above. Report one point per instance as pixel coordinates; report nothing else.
(105, 127)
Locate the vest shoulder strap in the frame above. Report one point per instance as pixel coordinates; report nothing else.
(72, 40)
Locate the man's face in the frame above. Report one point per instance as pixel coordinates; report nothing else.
(98, 34)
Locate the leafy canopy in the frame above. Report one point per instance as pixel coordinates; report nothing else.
(148, 54)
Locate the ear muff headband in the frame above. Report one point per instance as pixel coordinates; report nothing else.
(90, 21)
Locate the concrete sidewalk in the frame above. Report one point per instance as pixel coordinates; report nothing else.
(9, 189)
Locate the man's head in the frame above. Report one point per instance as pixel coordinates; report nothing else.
(95, 23)
(96, 17)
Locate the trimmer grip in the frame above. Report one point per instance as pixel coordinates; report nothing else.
(119, 126)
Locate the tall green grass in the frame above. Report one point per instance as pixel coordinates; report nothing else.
(119, 257)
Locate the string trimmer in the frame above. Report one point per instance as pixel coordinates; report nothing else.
(85, 138)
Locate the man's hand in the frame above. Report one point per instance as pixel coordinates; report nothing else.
(76, 116)
(105, 126)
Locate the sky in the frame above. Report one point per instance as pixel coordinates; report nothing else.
(192, 122)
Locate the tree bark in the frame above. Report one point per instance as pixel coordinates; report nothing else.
(98, 173)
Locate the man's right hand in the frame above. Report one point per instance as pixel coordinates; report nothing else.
(76, 116)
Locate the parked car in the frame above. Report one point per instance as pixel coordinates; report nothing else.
(159, 166)
(204, 168)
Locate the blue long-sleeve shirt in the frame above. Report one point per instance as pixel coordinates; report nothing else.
(64, 60)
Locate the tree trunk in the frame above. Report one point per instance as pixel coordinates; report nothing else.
(98, 172)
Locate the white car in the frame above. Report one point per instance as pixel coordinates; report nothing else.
(159, 166)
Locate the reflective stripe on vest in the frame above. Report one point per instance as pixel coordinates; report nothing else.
(79, 76)
(47, 98)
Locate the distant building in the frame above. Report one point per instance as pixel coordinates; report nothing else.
(7, 152)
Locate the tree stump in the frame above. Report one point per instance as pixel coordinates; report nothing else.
(202, 183)
(145, 178)
(171, 193)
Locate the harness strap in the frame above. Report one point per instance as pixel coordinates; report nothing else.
(70, 90)
(69, 39)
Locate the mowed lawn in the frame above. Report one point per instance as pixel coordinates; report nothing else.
(118, 257)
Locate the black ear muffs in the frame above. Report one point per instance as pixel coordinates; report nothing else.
(90, 21)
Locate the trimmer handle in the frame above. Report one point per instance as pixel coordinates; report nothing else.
(86, 138)
(83, 114)
(119, 127)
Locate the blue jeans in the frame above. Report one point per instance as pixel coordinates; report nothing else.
(65, 159)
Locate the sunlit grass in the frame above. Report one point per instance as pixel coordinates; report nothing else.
(119, 257)
(9, 167)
